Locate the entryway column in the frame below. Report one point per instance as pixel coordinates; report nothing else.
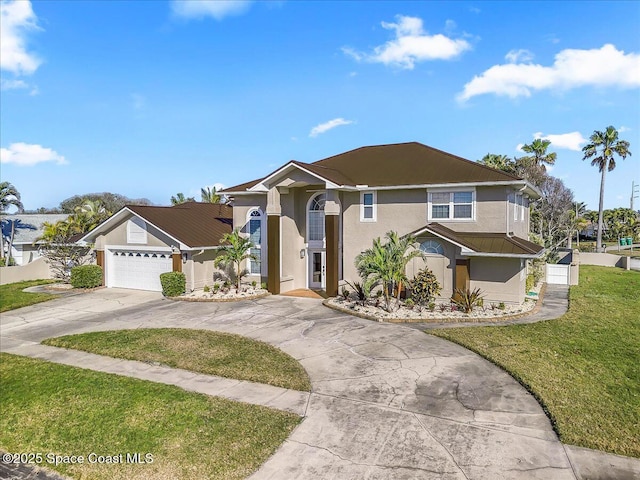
(332, 236)
(274, 210)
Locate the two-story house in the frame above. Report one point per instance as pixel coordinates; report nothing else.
(309, 221)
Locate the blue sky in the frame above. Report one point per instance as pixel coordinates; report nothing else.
(152, 98)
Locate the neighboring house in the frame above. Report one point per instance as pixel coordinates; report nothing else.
(138, 243)
(28, 228)
(309, 221)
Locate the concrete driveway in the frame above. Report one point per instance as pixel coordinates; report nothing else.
(387, 402)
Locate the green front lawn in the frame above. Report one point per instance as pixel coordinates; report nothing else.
(203, 351)
(583, 367)
(51, 408)
(12, 296)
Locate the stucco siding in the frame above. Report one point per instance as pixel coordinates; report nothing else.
(200, 270)
(118, 236)
(498, 278)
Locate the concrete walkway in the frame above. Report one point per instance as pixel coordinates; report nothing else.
(388, 401)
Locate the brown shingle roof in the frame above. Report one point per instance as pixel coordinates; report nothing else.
(194, 224)
(489, 243)
(397, 164)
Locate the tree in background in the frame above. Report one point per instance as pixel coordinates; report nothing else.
(179, 198)
(499, 162)
(9, 196)
(601, 150)
(111, 202)
(211, 195)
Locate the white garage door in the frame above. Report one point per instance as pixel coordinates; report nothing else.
(138, 269)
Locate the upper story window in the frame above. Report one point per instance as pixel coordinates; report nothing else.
(432, 246)
(368, 207)
(136, 230)
(452, 205)
(315, 218)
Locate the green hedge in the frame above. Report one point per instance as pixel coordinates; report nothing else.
(86, 276)
(173, 283)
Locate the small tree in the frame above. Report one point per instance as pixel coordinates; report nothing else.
(62, 255)
(387, 263)
(179, 198)
(234, 250)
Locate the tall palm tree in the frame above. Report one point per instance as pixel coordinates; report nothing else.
(9, 196)
(540, 156)
(234, 249)
(601, 150)
(210, 195)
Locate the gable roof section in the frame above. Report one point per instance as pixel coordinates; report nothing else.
(485, 244)
(396, 165)
(193, 224)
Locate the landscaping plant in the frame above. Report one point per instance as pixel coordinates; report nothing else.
(468, 299)
(424, 287)
(173, 283)
(86, 276)
(235, 249)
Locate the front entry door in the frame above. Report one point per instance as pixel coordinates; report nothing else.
(317, 269)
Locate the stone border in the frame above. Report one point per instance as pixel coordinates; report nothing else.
(217, 300)
(449, 320)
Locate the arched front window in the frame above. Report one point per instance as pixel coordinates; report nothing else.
(315, 218)
(255, 235)
(432, 246)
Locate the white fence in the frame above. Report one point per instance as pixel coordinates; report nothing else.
(558, 274)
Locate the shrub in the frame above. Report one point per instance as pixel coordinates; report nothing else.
(409, 303)
(3, 262)
(362, 290)
(254, 283)
(173, 283)
(530, 282)
(424, 287)
(502, 306)
(345, 293)
(86, 276)
(467, 299)
(263, 285)
(216, 287)
(206, 289)
(431, 306)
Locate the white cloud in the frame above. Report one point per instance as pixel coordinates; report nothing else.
(16, 20)
(519, 147)
(568, 141)
(522, 55)
(217, 9)
(623, 129)
(606, 66)
(324, 127)
(25, 154)
(12, 84)
(411, 45)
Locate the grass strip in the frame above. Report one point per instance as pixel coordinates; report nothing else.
(12, 296)
(584, 367)
(51, 408)
(202, 351)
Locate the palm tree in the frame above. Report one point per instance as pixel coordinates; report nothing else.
(210, 195)
(601, 150)
(540, 156)
(387, 263)
(180, 198)
(499, 162)
(89, 215)
(9, 196)
(234, 249)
